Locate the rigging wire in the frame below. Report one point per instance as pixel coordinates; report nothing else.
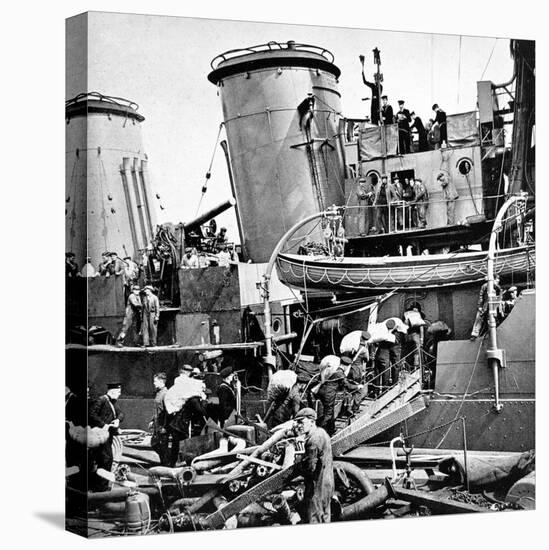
(209, 172)
(459, 70)
(489, 58)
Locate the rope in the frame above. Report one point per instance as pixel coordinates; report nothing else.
(489, 58)
(429, 430)
(459, 72)
(209, 172)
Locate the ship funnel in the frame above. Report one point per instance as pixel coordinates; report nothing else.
(287, 163)
(109, 203)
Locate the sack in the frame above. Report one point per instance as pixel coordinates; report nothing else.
(353, 341)
(414, 319)
(380, 333)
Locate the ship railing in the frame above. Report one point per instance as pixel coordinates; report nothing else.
(85, 96)
(271, 46)
(401, 215)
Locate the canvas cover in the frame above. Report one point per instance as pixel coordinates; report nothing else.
(371, 144)
(462, 129)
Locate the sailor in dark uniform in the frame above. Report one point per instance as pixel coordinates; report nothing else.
(440, 121)
(403, 120)
(226, 395)
(159, 421)
(417, 124)
(386, 111)
(105, 411)
(374, 106)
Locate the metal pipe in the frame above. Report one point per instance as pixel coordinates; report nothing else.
(147, 196)
(494, 355)
(139, 201)
(132, 204)
(465, 451)
(370, 502)
(280, 504)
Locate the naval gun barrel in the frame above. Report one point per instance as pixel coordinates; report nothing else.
(209, 214)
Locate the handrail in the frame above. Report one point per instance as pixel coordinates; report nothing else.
(495, 355)
(290, 45)
(101, 97)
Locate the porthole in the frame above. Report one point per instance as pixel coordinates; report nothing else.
(464, 166)
(277, 325)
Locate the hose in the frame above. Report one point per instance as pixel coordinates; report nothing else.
(362, 507)
(374, 497)
(357, 474)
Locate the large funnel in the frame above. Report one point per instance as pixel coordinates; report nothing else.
(282, 171)
(109, 204)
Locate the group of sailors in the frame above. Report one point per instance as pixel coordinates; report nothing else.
(433, 135)
(142, 314)
(394, 206)
(111, 265)
(225, 256)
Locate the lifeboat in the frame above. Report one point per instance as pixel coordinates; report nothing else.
(407, 272)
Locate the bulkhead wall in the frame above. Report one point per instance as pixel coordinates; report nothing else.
(109, 203)
(273, 171)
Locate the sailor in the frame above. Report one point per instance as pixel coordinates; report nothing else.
(131, 270)
(116, 265)
(482, 307)
(403, 120)
(450, 195)
(433, 134)
(227, 395)
(183, 401)
(383, 367)
(103, 267)
(159, 421)
(395, 203)
(354, 373)
(440, 122)
(415, 320)
(87, 269)
(374, 105)
(333, 383)
(190, 259)
(386, 111)
(380, 202)
(421, 202)
(223, 256)
(510, 300)
(221, 237)
(105, 411)
(283, 397)
(395, 349)
(71, 267)
(151, 315)
(316, 467)
(132, 316)
(408, 198)
(417, 124)
(363, 198)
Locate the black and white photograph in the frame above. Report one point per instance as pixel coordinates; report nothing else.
(300, 275)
